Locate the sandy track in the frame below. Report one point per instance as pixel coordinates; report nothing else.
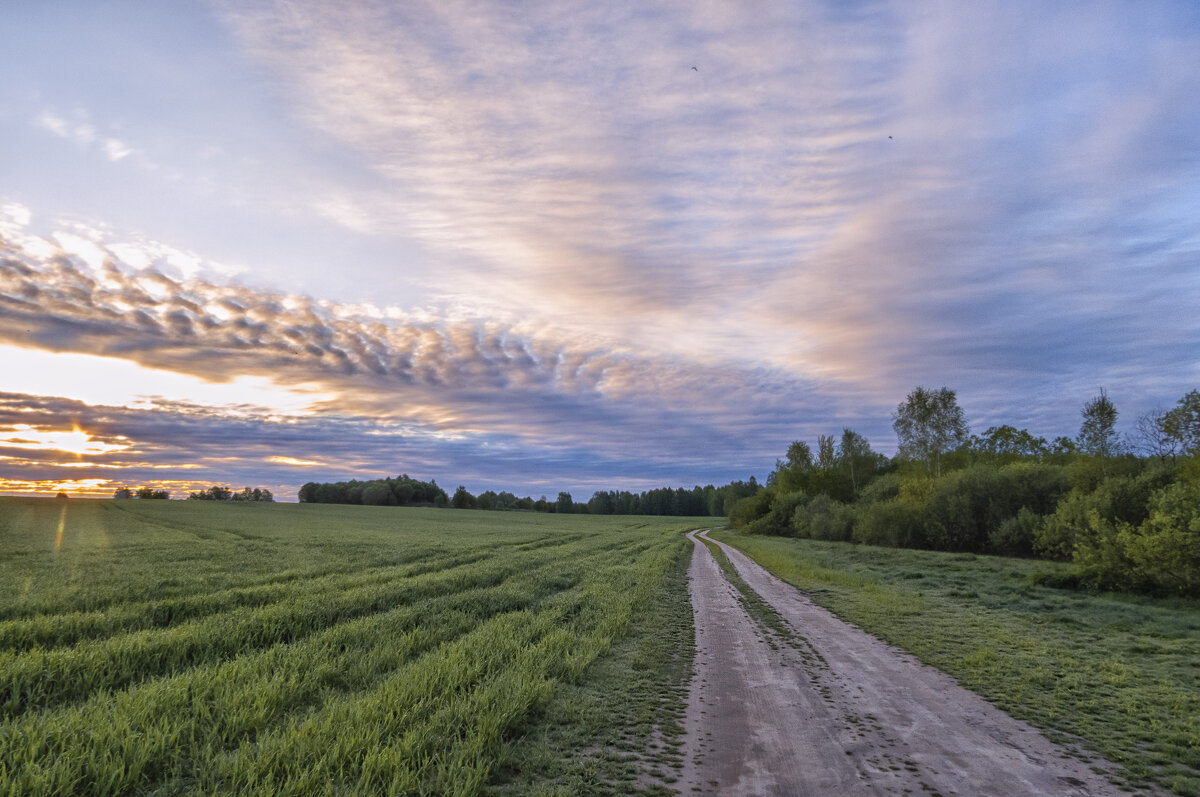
(836, 711)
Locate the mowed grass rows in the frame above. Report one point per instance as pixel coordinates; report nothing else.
(173, 647)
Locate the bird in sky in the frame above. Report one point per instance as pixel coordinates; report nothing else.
(694, 69)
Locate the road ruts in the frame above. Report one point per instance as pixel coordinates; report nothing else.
(826, 709)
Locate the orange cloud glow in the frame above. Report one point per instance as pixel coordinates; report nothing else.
(76, 441)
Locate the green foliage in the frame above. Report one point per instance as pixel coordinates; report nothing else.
(1165, 550)
(929, 424)
(824, 518)
(1008, 492)
(1098, 434)
(1160, 555)
(778, 519)
(1084, 518)
(855, 456)
(1005, 444)
(462, 499)
(1181, 425)
(752, 507)
(149, 493)
(885, 488)
(893, 523)
(1016, 534)
(221, 494)
(210, 647)
(403, 490)
(965, 510)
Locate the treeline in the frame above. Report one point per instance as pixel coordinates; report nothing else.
(1125, 511)
(406, 491)
(698, 501)
(707, 500)
(144, 493)
(400, 491)
(260, 494)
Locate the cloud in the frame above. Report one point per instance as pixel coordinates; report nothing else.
(116, 149)
(642, 264)
(476, 392)
(80, 130)
(874, 196)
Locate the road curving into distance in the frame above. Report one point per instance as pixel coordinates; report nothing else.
(787, 699)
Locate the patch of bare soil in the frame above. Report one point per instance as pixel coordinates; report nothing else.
(815, 706)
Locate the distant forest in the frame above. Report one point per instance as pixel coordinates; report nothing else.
(1124, 510)
(406, 491)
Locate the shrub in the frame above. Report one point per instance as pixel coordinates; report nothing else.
(884, 488)
(1165, 550)
(747, 510)
(1115, 500)
(824, 518)
(888, 523)
(778, 521)
(1014, 537)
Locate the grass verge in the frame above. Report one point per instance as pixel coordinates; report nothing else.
(1119, 674)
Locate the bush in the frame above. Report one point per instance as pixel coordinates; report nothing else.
(778, 521)
(747, 510)
(887, 523)
(378, 494)
(824, 518)
(884, 488)
(1115, 500)
(1101, 558)
(1165, 550)
(1015, 535)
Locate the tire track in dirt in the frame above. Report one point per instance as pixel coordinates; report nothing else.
(807, 704)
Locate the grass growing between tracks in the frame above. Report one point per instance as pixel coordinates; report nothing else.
(202, 648)
(1121, 673)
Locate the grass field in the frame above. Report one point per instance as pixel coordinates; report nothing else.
(179, 647)
(1118, 674)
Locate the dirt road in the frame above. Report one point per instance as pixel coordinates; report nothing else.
(805, 704)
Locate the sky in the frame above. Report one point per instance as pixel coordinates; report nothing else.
(566, 245)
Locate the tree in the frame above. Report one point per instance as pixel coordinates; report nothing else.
(1008, 443)
(855, 455)
(565, 504)
(1150, 436)
(160, 495)
(462, 499)
(377, 494)
(1097, 433)
(1181, 425)
(928, 424)
(826, 452)
(792, 474)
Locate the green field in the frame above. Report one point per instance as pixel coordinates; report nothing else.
(191, 647)
(1118, 675)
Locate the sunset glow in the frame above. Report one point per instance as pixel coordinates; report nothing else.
(535, 249)
(75, 441)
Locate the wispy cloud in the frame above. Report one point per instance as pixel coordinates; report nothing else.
(78, 128)
(877, 194)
